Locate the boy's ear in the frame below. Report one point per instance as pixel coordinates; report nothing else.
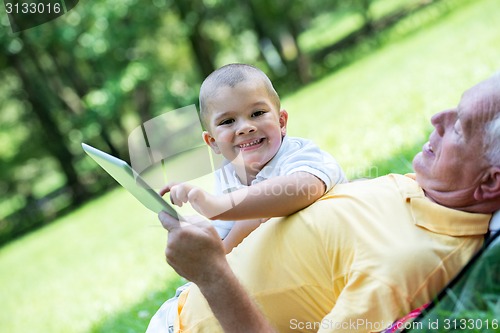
(489, 188)
(283, 121)
(209, 140)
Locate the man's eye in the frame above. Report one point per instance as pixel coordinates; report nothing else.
(258, 113)
(226, 122)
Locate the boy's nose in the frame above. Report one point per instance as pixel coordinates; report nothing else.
(245, 128)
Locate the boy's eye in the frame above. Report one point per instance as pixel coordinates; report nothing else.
(226, 122)
(258, 113)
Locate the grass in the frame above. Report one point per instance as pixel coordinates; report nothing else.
(101, 268)
(330, 27)
(86, 268)
(375, 113)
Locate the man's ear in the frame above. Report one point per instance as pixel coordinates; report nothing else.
(209, 140)
(490, 185)
(283, 121)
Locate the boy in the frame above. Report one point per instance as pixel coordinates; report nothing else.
(267, 174)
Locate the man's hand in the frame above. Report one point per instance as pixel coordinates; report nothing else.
(194, 248)
(203, 202)
(195, 251)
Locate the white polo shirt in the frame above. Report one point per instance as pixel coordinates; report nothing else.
(495, 222)
(294, 155)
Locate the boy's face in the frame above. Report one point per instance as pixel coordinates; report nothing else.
(243, 119)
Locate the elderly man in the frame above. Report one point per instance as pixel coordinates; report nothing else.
(364, 254)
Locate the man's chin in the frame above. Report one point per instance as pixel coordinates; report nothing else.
(419, 169)
(417, 156)
(417, 162)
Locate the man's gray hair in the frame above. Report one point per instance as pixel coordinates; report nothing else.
(492, 141)
(492, 129)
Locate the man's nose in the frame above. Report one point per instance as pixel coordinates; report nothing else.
(443, 119)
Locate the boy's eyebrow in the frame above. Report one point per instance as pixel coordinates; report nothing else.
(222, 115)
(259, 103)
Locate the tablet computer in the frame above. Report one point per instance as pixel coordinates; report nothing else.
(123, 173)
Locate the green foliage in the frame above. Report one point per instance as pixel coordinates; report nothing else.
(100, 70)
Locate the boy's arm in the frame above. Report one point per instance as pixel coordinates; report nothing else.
(277, 196)
(239, 231)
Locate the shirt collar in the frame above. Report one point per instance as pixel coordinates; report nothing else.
(269, 168)
(495, 222)
(437, 218)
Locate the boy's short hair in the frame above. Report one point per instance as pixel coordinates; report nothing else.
(230, 75)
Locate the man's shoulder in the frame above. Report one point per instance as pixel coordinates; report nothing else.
(372, 194)
(363, 208)
(374, 186)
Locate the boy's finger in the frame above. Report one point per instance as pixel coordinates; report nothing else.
(176, 196)
(167, 188)
(181, 194)
(164, 190)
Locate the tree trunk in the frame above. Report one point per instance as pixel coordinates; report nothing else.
(42, 108)
(263, 38)
(201, 46)
(302, 61)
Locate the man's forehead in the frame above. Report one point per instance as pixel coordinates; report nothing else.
(481, 103)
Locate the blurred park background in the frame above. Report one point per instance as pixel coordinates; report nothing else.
(359, 77)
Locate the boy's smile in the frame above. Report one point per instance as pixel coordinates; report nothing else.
(244, 120)
(253, 144)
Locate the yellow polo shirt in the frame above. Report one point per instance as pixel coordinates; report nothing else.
(364, 255)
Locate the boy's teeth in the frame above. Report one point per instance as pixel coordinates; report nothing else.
(248, 144)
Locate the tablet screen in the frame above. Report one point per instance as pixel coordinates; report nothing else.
(128, 178)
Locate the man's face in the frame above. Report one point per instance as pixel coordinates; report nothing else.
(243, 119)
(452, 164)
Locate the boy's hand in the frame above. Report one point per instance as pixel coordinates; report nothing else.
(167, 188)
(182, 193)
(204, 203)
